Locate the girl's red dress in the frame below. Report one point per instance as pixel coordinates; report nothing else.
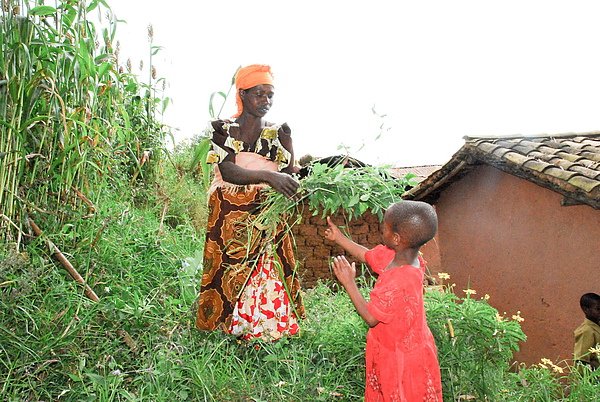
(401, 356)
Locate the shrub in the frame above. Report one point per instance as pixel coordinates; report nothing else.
(475, 344)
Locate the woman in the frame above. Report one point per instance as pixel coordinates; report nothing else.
(249, 287)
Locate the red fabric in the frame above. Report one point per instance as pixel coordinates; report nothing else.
(379, 257)
(263, 309)
(401, 356)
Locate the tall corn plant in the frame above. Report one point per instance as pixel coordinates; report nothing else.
(71, 118)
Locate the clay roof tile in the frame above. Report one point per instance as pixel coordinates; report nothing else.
(584, 183)
(567, 163)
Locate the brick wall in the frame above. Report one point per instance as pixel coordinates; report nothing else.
(313, 251)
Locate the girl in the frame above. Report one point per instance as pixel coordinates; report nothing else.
(401, 356)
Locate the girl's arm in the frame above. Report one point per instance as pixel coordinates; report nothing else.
(334, 234)
(345, 274)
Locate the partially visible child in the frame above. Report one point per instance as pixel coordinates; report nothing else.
(401, 356)
(587, 335)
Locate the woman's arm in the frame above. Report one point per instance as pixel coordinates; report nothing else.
(285, 138)
(346, 274)
(334, 234)
(281, 182)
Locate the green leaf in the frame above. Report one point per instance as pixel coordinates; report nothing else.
(96, 378)
(42, 11)
(354, 200)
(69, 16)
(92, 6)
(103, 69)
(362, 208)
(74, 377)
(211, 109)
(165, 103)
(199, 157)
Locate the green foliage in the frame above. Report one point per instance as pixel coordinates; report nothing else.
(202, 145)
(584, 383)
(198, 161)
(533, 383)
(71, 119)
(182, 189)
(328, 190)
(475, 344)
(351, 190)
(55, 344)
(549, 382)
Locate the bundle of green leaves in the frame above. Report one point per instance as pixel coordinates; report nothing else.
(327, 190)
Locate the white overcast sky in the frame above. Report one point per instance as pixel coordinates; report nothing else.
(437, 70)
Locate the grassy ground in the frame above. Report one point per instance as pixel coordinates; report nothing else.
(138, 343)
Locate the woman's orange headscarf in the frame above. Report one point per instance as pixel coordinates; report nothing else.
(248, 77)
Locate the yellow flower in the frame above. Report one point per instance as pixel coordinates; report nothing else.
(596, 350)
(470, 292)
(547, 362)
(269, 133)
(499, 318)
(486, 297)
(443, 275)
(212, 157)
(517, 317)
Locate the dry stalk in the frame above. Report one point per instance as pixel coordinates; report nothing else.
(162, 217)
(65, 262)
(75, 275)
(90, 204)
(99, 234)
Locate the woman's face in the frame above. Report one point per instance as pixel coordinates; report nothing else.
(257, 100)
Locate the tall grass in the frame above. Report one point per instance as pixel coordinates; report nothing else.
(71, 117)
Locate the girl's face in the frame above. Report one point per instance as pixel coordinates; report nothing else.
(257, 100)
(387, 234)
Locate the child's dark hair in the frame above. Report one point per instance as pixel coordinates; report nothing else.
(589, 300)
(416, 221)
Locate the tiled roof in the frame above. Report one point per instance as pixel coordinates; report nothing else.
(568, 164)
(421, 172)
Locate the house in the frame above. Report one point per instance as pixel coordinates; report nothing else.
(519, 219)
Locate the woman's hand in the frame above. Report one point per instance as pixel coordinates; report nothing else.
(332, 232)
(284, 183)
(344, 272)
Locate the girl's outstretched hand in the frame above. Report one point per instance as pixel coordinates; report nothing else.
(344, 272)
(332, 232)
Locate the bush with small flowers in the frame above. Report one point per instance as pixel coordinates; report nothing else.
(475, 343)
